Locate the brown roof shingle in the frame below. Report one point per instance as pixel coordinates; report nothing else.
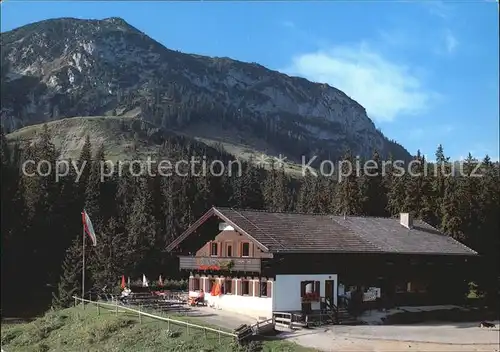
(320, 233)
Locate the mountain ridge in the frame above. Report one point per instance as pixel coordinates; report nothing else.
(74, 67)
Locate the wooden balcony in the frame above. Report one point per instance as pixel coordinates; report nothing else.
(220, 264)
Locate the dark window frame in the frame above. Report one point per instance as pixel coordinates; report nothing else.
(243, 249)
(212, 244)
(243, 283)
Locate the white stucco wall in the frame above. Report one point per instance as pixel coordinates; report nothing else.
(247, 305)
(286, 292)
(251, 306)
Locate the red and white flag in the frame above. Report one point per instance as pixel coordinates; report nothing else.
(89, 229)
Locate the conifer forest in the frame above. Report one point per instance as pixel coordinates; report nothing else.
(136, 217)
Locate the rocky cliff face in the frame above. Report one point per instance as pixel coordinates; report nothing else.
(70, 67)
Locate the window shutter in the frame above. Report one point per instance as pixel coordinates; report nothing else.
(240, 254)
(256, 288)
(303, 288)
(316, 288)
(240, 287)
(269, 289)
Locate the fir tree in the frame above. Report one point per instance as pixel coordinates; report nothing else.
(348, 191)
(373, 191)
(141, 226)
(84, 163)
(70, 283)
(307, 192)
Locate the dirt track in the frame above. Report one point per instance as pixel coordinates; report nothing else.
(421, 337)
(377, 338)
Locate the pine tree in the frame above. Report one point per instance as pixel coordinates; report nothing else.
(84, 163)
(107, 260)
(141, 226)
(418, 188)
(373, 191)
(94, 191)
(307, 192)
(250, 179)
(348, 191)
(396, 195)
(487, 240)
(441, 172)
(451, 210)
(70, 283)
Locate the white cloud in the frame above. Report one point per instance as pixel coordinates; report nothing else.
(439, 9)
(451, 42)
(386, 89)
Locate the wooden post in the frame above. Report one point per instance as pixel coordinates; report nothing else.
(187, 329)
(116, 306)
(205, 331)
(168, 324)
(219, 335)
(140, 317)
(98, 310)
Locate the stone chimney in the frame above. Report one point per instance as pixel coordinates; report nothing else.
(406, 220)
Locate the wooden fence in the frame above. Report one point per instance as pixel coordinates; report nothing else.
(116, 307)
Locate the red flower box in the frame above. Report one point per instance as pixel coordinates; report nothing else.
(310, 297)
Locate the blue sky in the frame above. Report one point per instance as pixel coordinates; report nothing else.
(427, 72)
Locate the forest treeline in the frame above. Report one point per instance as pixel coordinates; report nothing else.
(135, 218)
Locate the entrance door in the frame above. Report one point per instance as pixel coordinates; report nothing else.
(329, 291)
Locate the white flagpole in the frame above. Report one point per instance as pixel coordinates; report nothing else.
(83, 263)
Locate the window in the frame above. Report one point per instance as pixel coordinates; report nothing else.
(264, 289)
(245, 287)
(245, 249)
(194, 284)
(229, 250)
(228, 287)
(401, 287)
(310, 290)
(416, 287)
(214, 249)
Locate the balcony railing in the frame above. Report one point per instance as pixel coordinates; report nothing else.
(220, 264)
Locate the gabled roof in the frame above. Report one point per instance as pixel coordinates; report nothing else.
(320, 233)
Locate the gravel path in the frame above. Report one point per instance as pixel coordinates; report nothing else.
(220, 318)
(376, 338)
(457, 337)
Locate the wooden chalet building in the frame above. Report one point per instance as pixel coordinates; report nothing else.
(287, 262)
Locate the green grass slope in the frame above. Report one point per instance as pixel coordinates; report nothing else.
(128, 138)
(88, 330)
(124, 138)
